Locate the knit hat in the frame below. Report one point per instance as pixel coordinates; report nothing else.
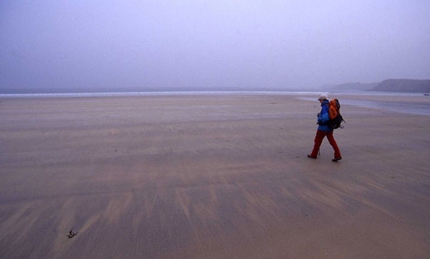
(323, 97)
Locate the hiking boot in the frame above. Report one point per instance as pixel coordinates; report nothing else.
(336, 159)
(313, 157)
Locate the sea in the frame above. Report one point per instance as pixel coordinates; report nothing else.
(422, 108)
(153, 93)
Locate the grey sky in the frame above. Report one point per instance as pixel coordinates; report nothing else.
(211, 44)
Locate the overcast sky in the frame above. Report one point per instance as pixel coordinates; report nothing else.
(288, 44)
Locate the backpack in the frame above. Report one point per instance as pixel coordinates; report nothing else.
(336, 118)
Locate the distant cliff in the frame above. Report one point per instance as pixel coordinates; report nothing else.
(403, 85)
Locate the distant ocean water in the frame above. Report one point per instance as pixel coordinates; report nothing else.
(154, 93)
(410, 108)
(215, 92)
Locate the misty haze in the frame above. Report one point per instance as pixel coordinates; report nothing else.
(61, 46)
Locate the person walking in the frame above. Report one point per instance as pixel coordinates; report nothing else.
(324, 131)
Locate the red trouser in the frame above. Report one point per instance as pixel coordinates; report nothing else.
(318, 140)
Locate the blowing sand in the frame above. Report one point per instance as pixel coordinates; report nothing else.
(210, 177)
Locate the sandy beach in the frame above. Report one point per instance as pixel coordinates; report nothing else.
(210, 177)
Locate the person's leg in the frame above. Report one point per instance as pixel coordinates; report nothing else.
(333, 143)
(317, 143)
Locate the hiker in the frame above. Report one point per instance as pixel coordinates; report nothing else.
(324, 131)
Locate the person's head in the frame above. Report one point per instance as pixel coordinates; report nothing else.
(322, 98)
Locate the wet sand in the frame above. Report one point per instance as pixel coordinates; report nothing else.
(210, 177)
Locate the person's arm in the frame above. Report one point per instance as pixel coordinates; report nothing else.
(323, 117)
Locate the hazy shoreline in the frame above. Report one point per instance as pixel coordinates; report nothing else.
(396, 103)
(209, 92)
(151, 93)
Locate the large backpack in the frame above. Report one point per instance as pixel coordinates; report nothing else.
(336, 118)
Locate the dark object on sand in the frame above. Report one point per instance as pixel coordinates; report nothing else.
(71, 233)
